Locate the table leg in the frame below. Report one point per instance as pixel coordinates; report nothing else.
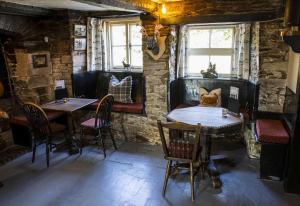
(211, 168)
(71, 140)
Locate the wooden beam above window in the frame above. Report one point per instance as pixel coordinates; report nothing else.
(243, 17)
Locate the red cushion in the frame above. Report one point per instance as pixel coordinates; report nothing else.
(136, 108)
(22, 120)
(184, 105)
(271, 131)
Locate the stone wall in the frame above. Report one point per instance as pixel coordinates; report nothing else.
(273, 62)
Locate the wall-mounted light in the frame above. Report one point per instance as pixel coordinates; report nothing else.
(163, 8)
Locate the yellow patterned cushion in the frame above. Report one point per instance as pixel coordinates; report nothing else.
(213, 98)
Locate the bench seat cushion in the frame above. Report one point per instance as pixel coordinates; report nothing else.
(271, 131)
(22, 120)
(135, 108)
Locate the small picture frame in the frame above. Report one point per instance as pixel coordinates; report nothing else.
(79, 44)
(39, 60)
(79, 30)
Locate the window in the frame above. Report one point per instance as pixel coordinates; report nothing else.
(124, 44)
(209, 44)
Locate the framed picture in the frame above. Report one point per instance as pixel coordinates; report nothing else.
(79, 30)
(80, 44)
(39, 60)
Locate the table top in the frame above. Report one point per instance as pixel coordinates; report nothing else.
(209, 117)
(71, 105)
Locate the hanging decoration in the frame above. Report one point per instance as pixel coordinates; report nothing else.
(156, 44)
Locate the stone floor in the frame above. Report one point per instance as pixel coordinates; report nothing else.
(133, 175)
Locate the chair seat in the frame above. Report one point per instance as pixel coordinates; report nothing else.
(55, 127)
(90, 123)
(271, 131)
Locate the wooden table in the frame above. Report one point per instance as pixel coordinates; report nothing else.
(211, 120)
(70, 106)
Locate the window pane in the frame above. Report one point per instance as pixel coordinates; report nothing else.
(221, 38)
(197, 63)
(223, 64)
(135, 34)
(118, 35)
(198, 38)
(119, 55)
(136, 56)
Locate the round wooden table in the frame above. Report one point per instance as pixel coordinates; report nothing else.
(211, 120)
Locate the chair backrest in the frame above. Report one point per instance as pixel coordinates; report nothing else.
(37, 119)
(103, 112)
(184, 140)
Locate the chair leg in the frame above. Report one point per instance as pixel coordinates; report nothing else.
(81, 140)
(192, 181)
(102, 142)
(112, 138)
(47, 153)
(167, 174)
(33, 151)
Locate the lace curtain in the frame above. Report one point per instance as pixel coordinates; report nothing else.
(181, 52)
(95, 44)
(241, 57)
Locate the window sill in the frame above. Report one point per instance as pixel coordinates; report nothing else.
(219, 78)
(125, 70)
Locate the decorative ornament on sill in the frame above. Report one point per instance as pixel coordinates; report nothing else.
(211, 72)
(156, 44)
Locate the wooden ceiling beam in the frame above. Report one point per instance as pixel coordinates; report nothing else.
(122, 5)
(22, 10)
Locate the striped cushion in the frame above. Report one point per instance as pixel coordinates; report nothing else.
(121, 90)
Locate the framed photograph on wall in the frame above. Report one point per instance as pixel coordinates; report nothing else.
(79, 43)
(79, 30)
(39, 60)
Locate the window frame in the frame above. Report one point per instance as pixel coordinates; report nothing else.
(209, 51)
(109, 46)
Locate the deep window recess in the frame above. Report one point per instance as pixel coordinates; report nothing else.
(205, 44)
(124, 44)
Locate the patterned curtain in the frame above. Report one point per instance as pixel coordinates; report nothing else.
(181, 52)
(95, 44)
(241, 58)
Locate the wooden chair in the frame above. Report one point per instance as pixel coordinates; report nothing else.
(181, 147)
(100, 123)
(41, 130)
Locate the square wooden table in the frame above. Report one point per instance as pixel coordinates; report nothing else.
(69, 106)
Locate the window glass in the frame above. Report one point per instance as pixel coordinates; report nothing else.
(136, 56)
(223, 64)
(118, 34)
(196, 63)
(119, 55)
(135, 34)
(199, 38)
(221, 38)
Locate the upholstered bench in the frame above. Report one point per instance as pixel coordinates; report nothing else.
(133, 108)
(274, 140)
(19, 126)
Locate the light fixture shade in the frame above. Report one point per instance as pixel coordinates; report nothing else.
(163, 9)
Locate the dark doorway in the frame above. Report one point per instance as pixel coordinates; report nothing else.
(3, 71)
